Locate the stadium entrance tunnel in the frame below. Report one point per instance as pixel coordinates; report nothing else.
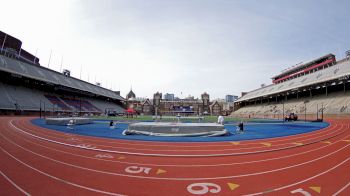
(252, 131)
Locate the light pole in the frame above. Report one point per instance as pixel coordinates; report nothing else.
(283, 111)
(305, 109)
(40, 109)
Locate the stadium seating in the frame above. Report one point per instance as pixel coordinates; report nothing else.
(340, 69)
(56, 101)
(335, 103)
(22, 98)
(43, 74)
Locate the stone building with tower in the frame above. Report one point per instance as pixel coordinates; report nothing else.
(184, 107)
(140, 105)
(187, 106)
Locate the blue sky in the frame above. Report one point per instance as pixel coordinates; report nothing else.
(189, 46)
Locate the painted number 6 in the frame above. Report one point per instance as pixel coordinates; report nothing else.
(136, 169)
(203, 188)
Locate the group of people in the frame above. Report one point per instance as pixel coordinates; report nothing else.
(240, 127)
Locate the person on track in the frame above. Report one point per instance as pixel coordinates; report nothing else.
(241, 127)
(111, 124)
(221, 120)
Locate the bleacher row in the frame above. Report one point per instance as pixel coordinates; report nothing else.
(22, 98)
(336, 71)
(43, 74)
(336, 103)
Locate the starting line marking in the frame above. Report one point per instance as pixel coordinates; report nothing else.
(266, 144)
(298, 143)
(208, 178)
(104, 156)
(316, 188)
(150, 154)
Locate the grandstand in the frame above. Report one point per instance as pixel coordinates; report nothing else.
(26, 87)
(321, 86)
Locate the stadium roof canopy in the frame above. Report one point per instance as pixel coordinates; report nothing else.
(339, 71)
(52, 77)
(300, 66)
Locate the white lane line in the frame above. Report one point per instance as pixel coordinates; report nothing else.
(303, 135)
(342, 189)
(177, 179)
(159, 154)
(14, 184)
(59, 179)
(305, 180)
(192, 165)
(235, 149)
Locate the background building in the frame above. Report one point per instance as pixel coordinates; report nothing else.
(169, 97)
(231, 98)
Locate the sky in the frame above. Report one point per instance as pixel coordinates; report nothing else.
(185, 47)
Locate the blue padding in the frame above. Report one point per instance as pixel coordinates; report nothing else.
(252, 131)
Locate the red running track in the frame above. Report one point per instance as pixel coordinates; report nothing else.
(36, 161)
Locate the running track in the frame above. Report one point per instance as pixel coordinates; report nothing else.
(36, 161)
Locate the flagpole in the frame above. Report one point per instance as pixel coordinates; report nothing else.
(81, 67)
(3, 43)
(19, 54)
(48, 64)
(61, 64)
(36, 51)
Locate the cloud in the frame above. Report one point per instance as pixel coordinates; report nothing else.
(221, 47)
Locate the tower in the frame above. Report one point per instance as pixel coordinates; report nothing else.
(156, 102)
(205, 103)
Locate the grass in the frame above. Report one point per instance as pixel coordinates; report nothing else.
(167, 119)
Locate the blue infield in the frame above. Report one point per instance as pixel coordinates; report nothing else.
(252, 131)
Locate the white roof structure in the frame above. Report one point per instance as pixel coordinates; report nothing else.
(301, 65)
(50, 76)
(339, 70)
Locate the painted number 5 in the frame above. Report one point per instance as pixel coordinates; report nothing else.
(203, 188)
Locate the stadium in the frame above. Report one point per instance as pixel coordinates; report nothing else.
(61, 135)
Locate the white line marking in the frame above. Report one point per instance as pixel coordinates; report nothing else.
(14, 184)
(286, 138)
(177, 179)
(159, 154)
(235, 149)
(305, 180)
(192, 165)
(59, 179)
(340, 190)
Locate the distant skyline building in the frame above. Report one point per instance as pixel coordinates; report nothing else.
(169, 97)
(231, 98)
